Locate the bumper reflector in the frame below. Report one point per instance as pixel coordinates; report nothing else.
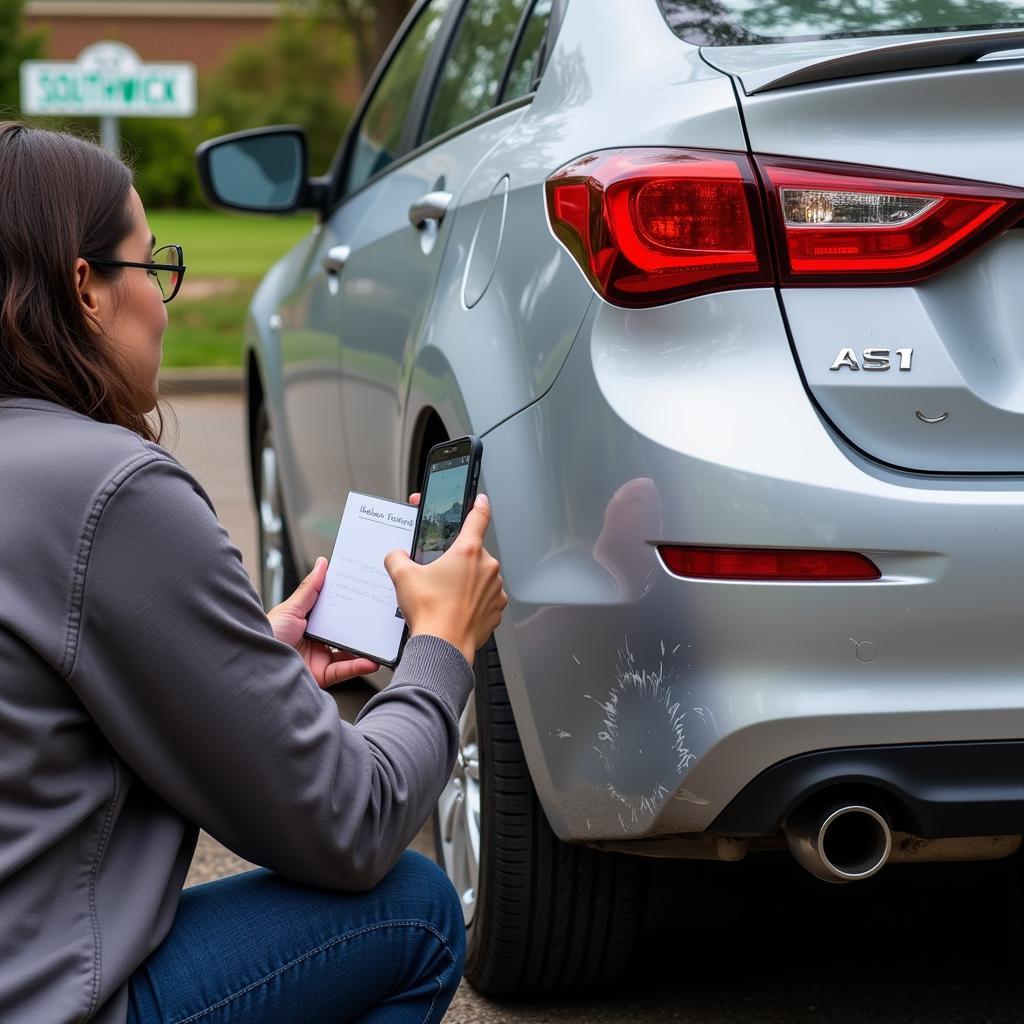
(766, 564)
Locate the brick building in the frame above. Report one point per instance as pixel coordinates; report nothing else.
(200, 31)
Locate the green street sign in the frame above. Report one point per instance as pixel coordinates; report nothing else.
(108, 80)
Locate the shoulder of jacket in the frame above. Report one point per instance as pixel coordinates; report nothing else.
(36, 433)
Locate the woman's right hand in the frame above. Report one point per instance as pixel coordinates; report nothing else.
(460, 596)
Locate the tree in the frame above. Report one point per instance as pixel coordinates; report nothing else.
(372, 25)
(293, 77)
(15, 46)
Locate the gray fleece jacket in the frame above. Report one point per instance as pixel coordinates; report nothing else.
(143, 695)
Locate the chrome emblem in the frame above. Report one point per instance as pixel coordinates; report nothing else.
(872, 359)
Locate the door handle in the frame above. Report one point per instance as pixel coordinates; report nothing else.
(432, 206)
(336, 258)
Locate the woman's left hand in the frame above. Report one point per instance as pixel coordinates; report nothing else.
(288, 620)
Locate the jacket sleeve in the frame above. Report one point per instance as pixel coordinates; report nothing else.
(176, 662)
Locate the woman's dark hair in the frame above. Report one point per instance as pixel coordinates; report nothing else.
(60, 197)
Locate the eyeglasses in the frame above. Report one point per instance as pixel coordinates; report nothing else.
(166, 270)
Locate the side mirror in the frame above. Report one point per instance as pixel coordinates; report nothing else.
(264, 170)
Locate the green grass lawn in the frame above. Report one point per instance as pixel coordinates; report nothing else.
(233, 250)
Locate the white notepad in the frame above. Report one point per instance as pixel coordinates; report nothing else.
(357, 608)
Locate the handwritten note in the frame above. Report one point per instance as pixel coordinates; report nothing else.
(356, 608)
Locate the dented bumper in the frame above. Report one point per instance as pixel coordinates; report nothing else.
(646, 702)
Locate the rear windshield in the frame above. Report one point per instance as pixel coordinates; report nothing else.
(743, 22)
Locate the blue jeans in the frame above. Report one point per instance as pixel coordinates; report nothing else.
(258, 948)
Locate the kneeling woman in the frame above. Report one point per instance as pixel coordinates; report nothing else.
(144, 693)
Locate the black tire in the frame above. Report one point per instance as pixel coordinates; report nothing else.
(551, 917)
(289, 579)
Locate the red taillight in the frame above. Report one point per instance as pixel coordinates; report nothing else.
(650, 226)
(848, 225)
(766, 564)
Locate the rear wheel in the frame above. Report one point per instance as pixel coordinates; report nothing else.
(278, 577)
(542, 916)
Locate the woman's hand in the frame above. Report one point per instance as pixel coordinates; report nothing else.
(460, 596)
(288, 620)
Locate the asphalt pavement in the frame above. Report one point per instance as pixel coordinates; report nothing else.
(759, 942)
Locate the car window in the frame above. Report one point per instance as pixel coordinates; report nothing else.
(742, 22)
(378, 139)
(524, 62)
(475, 63)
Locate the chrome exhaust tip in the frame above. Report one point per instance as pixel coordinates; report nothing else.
(844, 843)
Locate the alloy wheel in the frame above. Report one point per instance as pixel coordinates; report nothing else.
(458, 816)
(272, 554)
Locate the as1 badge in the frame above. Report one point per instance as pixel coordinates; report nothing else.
(872, 359)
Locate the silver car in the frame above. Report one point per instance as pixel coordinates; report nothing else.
(732, 294)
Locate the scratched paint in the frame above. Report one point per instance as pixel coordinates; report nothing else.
(644, 741)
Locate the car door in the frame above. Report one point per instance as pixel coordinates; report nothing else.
(318, 464)
(395, 246)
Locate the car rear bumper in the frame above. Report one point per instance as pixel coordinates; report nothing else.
(927, 789)
(646, 702)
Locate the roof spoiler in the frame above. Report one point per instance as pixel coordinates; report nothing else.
(938, 50)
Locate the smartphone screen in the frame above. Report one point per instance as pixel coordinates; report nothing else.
(449, 488)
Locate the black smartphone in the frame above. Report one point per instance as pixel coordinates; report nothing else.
(338, 619)
(450, 480)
